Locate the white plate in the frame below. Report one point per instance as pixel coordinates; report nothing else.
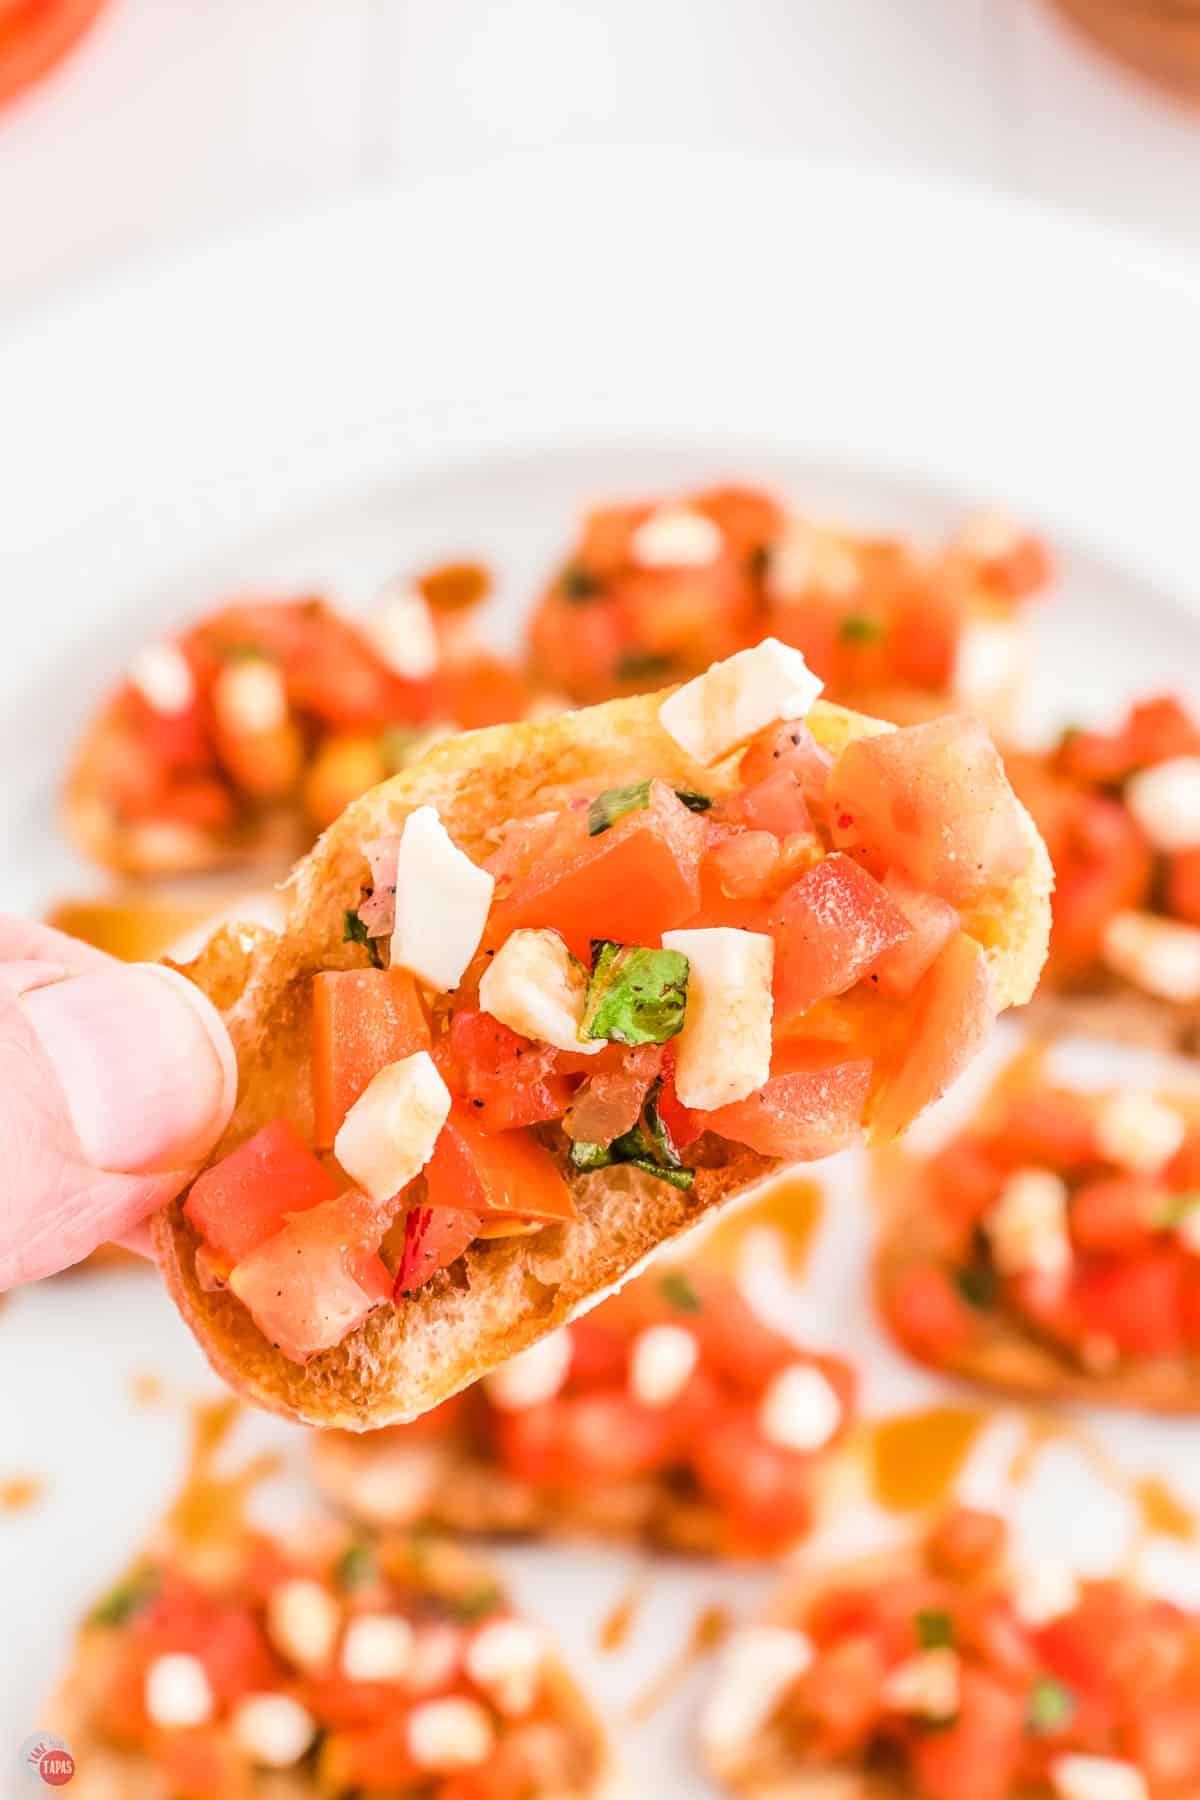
(461, 368)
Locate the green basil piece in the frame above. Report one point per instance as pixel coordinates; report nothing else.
(476, 1603)
(643, 665)
(635, 995)
(693, 801)
(585, 1157)
(127, 1598)
(935, 1630)
(614, 803)
(1051, 1705)
(678, 1291)
(355, 932)
(647, 1146)
(1173, 1209)
(977, 1284)
(355, 1567)
(578, 583)
(861, 628)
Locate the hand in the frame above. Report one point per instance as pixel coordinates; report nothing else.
(115, 1081)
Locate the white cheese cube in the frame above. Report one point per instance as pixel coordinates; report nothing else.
(249, 697)
(723, 1052)
(661, 1363)
(403, 635)
(800, 1409)
(302, 1622)
(505, 1658)
(533, 1376)
(442, 903)
(1139, 1132)
(444, 1735)
(163, 677)
(808, 559)
(1027, 1226)
(1165, 801)
(1161, 956)
(676, 537)
(177, 1692)
(988, 660)
(927, 1686)
(389, 1133)
(377, 1647)
(719, 710)
(757, 1667)
(1043, 1591)
(273, 1729)
(537, 988)
(1077, 1777)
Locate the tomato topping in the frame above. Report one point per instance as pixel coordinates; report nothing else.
(763, 1490)
(317, 1279)
(1045, 1129)
(829, 928)
(841, 1696)
(375, 1757)
(934, 801)
(1113, 1216)
(1104, 867)
(584, 1440)
(979, 1752)
(966, 1542)
(197, 1764)
(683, 1125)
(811, 1106)
(244, 1199)
(931, 924)
(629, 883)
(792, 749)
(489, 1172)
(928, 1314)
(947, 1023)
(776, 804)
(434, 1237)
(1135, 1302)
(362, 1020)
(507, 1079)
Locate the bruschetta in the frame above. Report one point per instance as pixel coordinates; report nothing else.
(951, 1670)
(325, 1664)
(1053, 1246)
(234, 743)
(671, 1415)
(652, 591)
(549, 996)
(1120, 813)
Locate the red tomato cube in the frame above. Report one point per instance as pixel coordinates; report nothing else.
(363, 1019)
(928, 1314)
(829, 927)
(811, 1106)
(932, 922)
(434, 1237)
(948, 1021)
(317, 1279)
(490, 1172)
(241, 1201)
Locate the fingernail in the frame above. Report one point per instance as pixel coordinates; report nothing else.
(144, 1063)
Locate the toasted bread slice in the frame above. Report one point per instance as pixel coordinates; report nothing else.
(404, 1360)
(1111, 1008)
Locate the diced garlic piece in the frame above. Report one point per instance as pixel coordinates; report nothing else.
(1027, 1226)
(711, 715)
(676, 537)
(800, 1409)
(249, 697)
(1043, 1591)
(163, 677)
(505, 1658)
(661, 1363)
(1162, 956)
(402, 633)
(302, 1622)
(444, 1735)
(389, 1133)
(442, 902)
(1165, 801)
(1139, 1132)
(533, 1375)
(723, 1052)
(987, 662)
(927, 1686)
(177, 1692)
(1078, 1777)
(377, 1647)
(757, 1667)
(537, 988)
(273, 1729)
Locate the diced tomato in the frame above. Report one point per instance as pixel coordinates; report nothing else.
(966, 1542)
(1160, 728)
(743, 864)
(1047, 1130)
(362, 1020)
(764, 1491)
(934, 801)
(584, 1440)
(928, 1314)
(683, 1125)
(629, 883)
(599, 1355)
(1182, 1173)
(672, 613)
(947, 1022)
(609, 1103)
(749, 517)
(579, 646)
(736, 1343)
(925, 629)
(965, 1177)
(776, 804)
(829, 927)
(987, 1627)
(789, 748)
(1135, 1301)
(811, 1106)
(243, 1200)
(202, 1764)
(508, 1080)
(375, 1758)
(235, 1654)
(316, 1280)
(1163, 1739)
(342, 1704)
(840, 1696)
(931, 924)
(434, 1237)
(1105, 867)
(1183, 886)
(480, 690)
(489, 1172)
(335, 673)
(1113, 1217)
(979, 1752)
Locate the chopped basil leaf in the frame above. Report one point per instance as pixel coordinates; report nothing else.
(127, 1598)
(355, 1567)
(355, 932)
(678, 1291)
(684, 1179)
(935, 1630)
(477, 1602)
(578, 583)
(245, 652)
(861, 628)
(614, 803)
(589, 1156)
(693, 801)
(642, 665)
(635, 995)
(1173, 1209)
(1051, 1705)
(976, 1282)
(647, 1147)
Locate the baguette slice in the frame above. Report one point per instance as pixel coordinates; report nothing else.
(404, 1360)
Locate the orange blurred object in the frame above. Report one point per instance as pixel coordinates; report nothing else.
(1159, 39)
(34, 34)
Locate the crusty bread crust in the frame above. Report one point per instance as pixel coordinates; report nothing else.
(1108, 1007)
(404, 1360)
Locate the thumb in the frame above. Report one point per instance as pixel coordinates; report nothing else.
(115, 1082)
